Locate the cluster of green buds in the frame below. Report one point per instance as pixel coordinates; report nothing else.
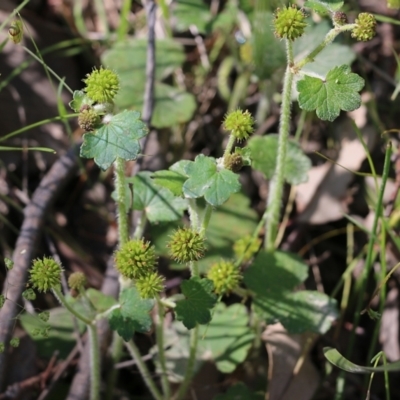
(225, 277)
(45, 274)
(186, 245)
(290, 23)
(240, 125)
(101, 87)
(136, 260)
(365, 27)
(246, 247)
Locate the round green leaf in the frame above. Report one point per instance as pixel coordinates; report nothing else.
(206, 180)
(118, 138)
(263, 155)
(339, 91)
(129, 60)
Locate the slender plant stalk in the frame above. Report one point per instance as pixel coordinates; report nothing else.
(124, 20)
(122, 214)
(116, 354)
(35, 125)
(229, 146)
(161, 352)
(382, 294)
(14, 13)
(274, 201)
(194, 340)
(329, 38)
(123, 237)
(194, 214)
(94, 345)
(135, 354)
(101, 12)
(60, 297)
(367, 268)
(94, 363)
(140, 226)
(206, 219)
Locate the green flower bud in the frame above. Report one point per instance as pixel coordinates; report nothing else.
(186, 245)
(239, 123)
(225, 277)
(9, 263)
(77, 280)
(366, 27)
(150, 285)
(88, 119)
(102, 85)
(289, 23)
(44, 316)
(135, 259)
(45, 274)
(246, 247)
(14, 342)
(16, 31)
(233, 162)
(36, 332)
(29, 294)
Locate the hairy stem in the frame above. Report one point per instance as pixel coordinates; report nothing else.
(329, 38)
(206, 219)
(60, 297)
(278, 180)
(161, 351)
(194, 339)
(229, 145)
(135, 354)
(116, 354)
(94, 363)
(194, 214)
(122, 213)
(94, 345)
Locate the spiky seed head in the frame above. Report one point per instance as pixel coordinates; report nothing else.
(289, 22)
(365, 27)
(102, 85)
(233, 162)
(77, 280)
(88, 119)
(186, 245)
(150, 285)
(45, 274)
(135, 259)
(246, 247)
(339, 18)
(239, 123)
(225, 277)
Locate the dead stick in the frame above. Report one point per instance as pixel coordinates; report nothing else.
(34, 215)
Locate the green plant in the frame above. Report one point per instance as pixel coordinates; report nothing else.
(203, 187)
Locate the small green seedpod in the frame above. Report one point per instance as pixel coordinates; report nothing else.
(16, 31)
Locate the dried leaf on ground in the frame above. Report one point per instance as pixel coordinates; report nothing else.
(284, 351)
(327, 186)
